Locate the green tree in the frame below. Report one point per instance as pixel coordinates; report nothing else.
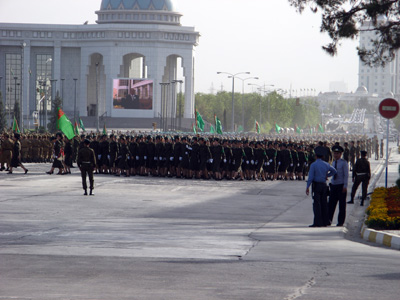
(52, 126)
(343, 19)
(3, 117)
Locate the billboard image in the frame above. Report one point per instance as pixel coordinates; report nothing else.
(133, 94)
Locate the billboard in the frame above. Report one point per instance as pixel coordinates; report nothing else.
(133, 94)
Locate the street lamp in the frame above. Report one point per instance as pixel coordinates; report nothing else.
(261, 88)
(164, 97)
(53, 96)
(62, 91)
(243, 80)
(180, 100)
(15, 92)
(75, 80)
(233, 94)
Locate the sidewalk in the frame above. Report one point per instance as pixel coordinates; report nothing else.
(389, 238)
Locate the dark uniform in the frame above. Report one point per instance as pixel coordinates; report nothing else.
(361, 174)
(87, 162)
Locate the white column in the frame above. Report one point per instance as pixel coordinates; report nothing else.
(188, 65)
(81, 85)
(57, 67)
(111, 71)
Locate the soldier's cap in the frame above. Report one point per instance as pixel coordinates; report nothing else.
(364, 153)
(184, 138)
(216, 140)
(86, 142)
(201, 139)
(104, 136)
(283, 145)
(337, 148)
(194, 138)
(17, 135)
(176, 137)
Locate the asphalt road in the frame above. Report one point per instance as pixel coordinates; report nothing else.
(161, 238)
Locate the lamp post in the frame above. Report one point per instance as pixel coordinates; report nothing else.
(164, 97)
(261, 88)
(97, 97)
(62, 91)
(233, 94)
(75, 80)
(243, 80)
(53, 96)
(180, 104)
(15, 91)
(44, 111)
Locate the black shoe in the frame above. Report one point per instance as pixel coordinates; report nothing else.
(350, 202)
(26, 171)
(91, 192)
(313, 225)
(339, 225)
(362, 204)
(85, 194)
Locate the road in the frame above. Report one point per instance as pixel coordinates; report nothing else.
(163, 238)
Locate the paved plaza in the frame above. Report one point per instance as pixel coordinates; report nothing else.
(164, 238)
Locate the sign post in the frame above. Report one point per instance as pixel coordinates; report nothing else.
(389, 109)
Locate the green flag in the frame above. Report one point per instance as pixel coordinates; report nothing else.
(321, 129)
(64, 124)
(277, 128)
(218, 125)
(200, 121)
(257, 126)
(212, 129)
(76, 129)
(104, 129)
(81, 124)
(298, 129)
(194, 128)
(15, 127)
(240, 128)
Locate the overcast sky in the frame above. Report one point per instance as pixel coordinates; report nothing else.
(265, 37)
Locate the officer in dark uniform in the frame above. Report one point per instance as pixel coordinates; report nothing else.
(361, 174)
(87, 163)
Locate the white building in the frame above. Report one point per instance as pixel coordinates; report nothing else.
(381, 80)
(140, 39)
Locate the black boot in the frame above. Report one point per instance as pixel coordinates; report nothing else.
(91, 192)
(85, 194)
(362, 203)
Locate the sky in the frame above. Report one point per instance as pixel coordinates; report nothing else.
(267, 38)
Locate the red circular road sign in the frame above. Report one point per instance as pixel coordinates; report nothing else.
(389, 108)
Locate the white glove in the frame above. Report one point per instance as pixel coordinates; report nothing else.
(267, 163)
(298, 165)
(145, 157)
(186, 153)
(224, 160)
(108, 156)
(279, 163)
(247, 162)
(180, 158)
(155, 157)
(270, 160)
(137, 157)
(211, 160)
(171, 158)
(99, 156)
(160, 158)
(291, 165)
(252, 162)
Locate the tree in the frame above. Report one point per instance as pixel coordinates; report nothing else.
(344, 19)
(57, 103)
(3, 117)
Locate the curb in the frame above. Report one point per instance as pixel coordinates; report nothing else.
(374, 236)
(378, 237)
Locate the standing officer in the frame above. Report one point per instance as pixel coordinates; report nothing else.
(338, 186)
(319, 171)
(361, 174)
(87, 163)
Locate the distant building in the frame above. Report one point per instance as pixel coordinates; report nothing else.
(381, 80)
(338, 86)
(140, 39)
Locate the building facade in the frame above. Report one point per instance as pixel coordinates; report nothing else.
(142, 40)
(380, 80)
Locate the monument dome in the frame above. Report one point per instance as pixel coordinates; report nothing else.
(138, 11)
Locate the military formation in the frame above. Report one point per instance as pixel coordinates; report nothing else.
(241, 157)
